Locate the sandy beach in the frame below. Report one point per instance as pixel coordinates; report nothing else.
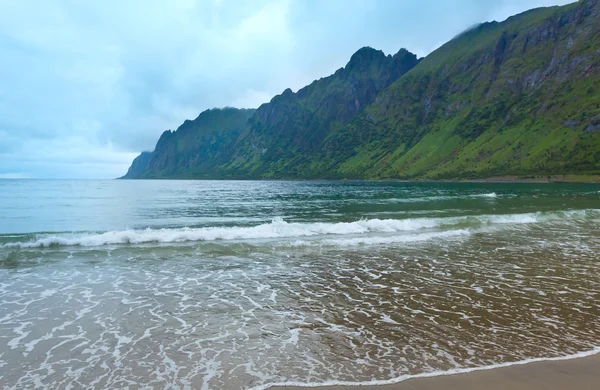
(573, 374)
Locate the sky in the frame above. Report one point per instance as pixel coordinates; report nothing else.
(87, 85)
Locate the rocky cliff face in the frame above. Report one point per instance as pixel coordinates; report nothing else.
(194, 148)
(138, 166)
(518, 97)
(284, 134)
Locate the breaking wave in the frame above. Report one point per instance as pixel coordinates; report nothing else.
(437, 198)
(279, 228)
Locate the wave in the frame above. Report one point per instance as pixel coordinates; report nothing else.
(402, 378)
(279, 228)
(381, 240)
(490, 195)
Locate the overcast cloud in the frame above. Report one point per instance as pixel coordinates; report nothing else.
(86, 85)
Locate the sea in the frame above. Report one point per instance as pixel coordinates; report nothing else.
(248, 284)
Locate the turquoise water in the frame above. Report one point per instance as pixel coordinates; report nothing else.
(240, 284)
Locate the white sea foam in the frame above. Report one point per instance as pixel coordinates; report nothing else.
(490, 195)
(279, 228)
(453, 371)
(437, 198)
(381, 240)
(48, 293)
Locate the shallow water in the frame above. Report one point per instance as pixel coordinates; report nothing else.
(196, 284)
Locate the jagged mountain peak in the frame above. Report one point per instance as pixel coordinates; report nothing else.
(364, 57)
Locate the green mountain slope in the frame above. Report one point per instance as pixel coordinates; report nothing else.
(285, 134)
(193, 148)
(520, 97)
(281, 132)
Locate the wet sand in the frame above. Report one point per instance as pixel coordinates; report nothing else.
(573, 374)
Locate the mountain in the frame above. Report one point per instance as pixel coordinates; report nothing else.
(281, 133)
(194, 146)
(284, 135)
(138, 166)
(520, 97)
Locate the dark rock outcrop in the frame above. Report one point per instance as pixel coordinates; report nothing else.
(138, 166)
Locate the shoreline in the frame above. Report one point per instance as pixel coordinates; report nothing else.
(577, 372)
(536, 179)
(530, 179)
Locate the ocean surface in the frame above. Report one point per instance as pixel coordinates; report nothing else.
(243, 284)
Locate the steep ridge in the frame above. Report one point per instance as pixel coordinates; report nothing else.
(281, 133)
(193, 147)
(138, 166)
(520, 97)
(286, 133)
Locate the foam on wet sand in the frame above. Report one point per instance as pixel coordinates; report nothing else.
(574, 374)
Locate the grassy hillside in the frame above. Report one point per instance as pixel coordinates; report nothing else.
(520, 97)
(193, 149)
(286, 133)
